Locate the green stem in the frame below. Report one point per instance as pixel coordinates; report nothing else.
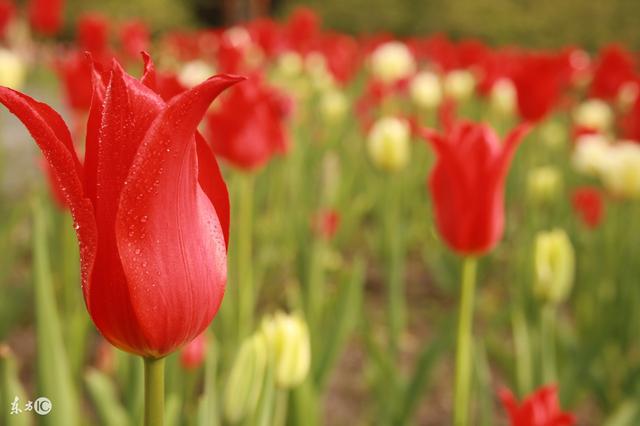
(524, 369)
(395, 281)
(464, 344)
(548, 344)
(153, 391)
(280, 410)
(245, 286)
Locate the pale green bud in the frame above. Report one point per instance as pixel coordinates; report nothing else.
(543, 184)
(289, 347)
(554, 266)
(246, 379)
(388, 143)
(392, 61)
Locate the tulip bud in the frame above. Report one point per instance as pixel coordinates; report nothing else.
(504, 97)
(459, 84)
(289, 346)
(333, 106)
(193, 354)
(543, 184)
(593, 114)
(621, 170)
(12, 69)
(554, 266)
(194, 73)
(246, 378)
(553, 134)
(590, 154)
(392, 61)
(388, 143)
(426, 90)
(290, 64)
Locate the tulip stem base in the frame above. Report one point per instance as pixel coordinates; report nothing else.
(153, 391)
(462, 391)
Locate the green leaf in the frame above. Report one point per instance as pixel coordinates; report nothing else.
(104, 395)
(10, 388)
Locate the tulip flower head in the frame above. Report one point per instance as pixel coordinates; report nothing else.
(425, 90)
(150, 207)
(594, 114)
(554, 266)
(392, 61)
(504, 97)
(459, 85)
(539, 409)
(543, 184)
(388, 143)
(588, 204)
(192, 355)
(45, 16)
(467, 184)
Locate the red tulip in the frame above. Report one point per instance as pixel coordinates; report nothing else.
(539, 409)
(149, 204)
(467, 184)
(325, 223)
(7, 13)
(588, 204)
(134, 38)
(249, 126)
(540, 80)
(75, 73)
(615, 66)
(302, 30)
(45, 16)
(93, 33)
(193, 354)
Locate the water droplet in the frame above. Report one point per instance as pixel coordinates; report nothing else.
(143, 219)
(137, 251)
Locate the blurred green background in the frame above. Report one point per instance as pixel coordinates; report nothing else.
(533, 23)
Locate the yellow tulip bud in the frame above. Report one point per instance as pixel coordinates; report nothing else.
(591, 154)
(544, 184)
(392, 61)
(426, 90)
(290, 348)
(333, 106)
(194, 73)
(504, 97)
(388, 143)
(554, 266)
(12, 69)
(594, 114)
(621, 170)
(246, 379)
(553, 134)
(459, 84)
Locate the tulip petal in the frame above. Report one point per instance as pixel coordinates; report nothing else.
(54, 139)
(212, 183)
(127, 111)
(93, 130)
(149, 75)
(168, 233)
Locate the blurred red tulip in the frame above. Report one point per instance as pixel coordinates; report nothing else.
(467, 184)
(266, 33)
(134, 38)
(249, 127)
(7, 13)
(342, 54)
(325, 223)
(588, 204)
(614, 67)
(150, 207)
(539, 409)
(539, 80)
(302, 30)
(75, 73)
(93, 33)
(193, 354)
(45, 16)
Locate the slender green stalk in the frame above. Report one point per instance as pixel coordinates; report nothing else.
(245, 285)
(153, 391)
(464, 344)
(280, 410)
(548, 344)
(524, 369)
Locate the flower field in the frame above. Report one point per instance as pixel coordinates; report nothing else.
(276, 223)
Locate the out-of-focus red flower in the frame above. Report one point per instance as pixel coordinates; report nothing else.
(266, 33)
(150, 207)
(325, 223)
(614, 67)
(249, 126)
(539, 409)
(630, 121)
(193, 354)
(7, 13)
(539, 80)
(302, 30)
(45, 16)
(134, 38)
(75, 72)
(342, 54)
(589, 206)
(105, 357)
(467, 184)
(374, 95)
(93, 33)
